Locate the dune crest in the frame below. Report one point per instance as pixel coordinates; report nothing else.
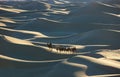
(116, 15)
(24, 32)
(16, 41)
(27, 61)
(3, 19)
(2, 24)
(12, 10)
(60, 38)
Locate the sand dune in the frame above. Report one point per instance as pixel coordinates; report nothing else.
(24, 32)
(110, 54)
(92, 27)
(17, 41)
(105, 4)
(12, 10)
(116, 15)
(3, 19)
(82, 65)
(27, 61)
(2, 24)
(28, 50)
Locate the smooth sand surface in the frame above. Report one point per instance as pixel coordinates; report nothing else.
(91, 27)
(12, 10)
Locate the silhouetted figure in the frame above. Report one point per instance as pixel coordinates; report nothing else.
(57, 47)
(62, 48)
(68, 49)
(49, 45)
(73, 49)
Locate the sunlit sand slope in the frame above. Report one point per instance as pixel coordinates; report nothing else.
(58, 38)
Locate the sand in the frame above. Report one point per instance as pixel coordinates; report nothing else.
(12, 10)
(91, 27)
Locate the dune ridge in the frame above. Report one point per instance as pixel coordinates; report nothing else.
(27, 28)
(12, 10)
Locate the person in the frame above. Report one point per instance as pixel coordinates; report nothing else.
(49, 45)
(73, 49)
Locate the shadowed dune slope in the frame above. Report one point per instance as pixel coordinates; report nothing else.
(26, 50)
(60, 38)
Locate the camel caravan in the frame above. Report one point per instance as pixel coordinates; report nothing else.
(61, 48)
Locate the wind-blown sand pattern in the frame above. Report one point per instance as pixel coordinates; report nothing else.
(85, 37)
